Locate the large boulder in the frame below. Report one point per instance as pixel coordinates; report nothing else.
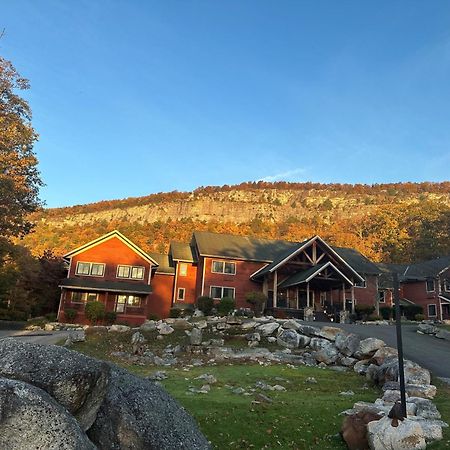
(181, 324)
(31, 419)
(77, 382)
(421, 390)
(368, 346)
(291, 324)
(347, 344)
(195, 336)
(426, 328)
(408, 435)
(266, 329)
(288, 338)
(425, 408)
(148, 325)
(138, 414)
(327, 355)
(320, 343)
(354, 429)
(443, 334)
(330, 333)
(308, 330)
(384, 354)
(164, 329)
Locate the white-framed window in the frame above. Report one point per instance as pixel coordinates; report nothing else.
(130, 301)
(361, 284)
(218, 292)
(133, 272)
(225, 267)
(382, 296)
(430, 285)
(90, 269)
(181, 294)
(432, 310)
(83, 297)
(183, 269)
(447, 285)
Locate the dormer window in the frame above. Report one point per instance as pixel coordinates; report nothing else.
(90, 269)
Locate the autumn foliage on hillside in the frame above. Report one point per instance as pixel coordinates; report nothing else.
(391, 222)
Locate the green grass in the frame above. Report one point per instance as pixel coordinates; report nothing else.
(442, 401)
(305, 416)
(444, 327)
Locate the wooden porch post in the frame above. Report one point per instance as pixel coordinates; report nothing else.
(307, 294)
(331, 297)
(275, 289)
(343, 297)
(353, 299)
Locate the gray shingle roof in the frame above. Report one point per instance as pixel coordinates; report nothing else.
(239, 247)
(181, 251)
(300, 277)
(165, 263)
(110, 286)
(358, 261)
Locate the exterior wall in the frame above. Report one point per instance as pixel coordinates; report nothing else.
(417, 293)
(188, 283)
(112, 252)
(369, 294)
(160, 300)
(241, 281)
(132, 316)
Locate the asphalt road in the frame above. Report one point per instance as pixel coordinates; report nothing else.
(429, 352)
(41, 337)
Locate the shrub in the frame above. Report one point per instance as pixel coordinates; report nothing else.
(205, 305)
(226, 306)
(70, 314)
(257, 300)
(410, 311)
(374, 318)
(51, 317)
(175, 313)
(110, 317)
(94, 311)
(419, 317)
(386, 312)
(364, 311)
(152, 316)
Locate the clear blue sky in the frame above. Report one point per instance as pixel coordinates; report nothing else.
(134, 97)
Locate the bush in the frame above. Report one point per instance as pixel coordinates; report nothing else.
(419, 317)
(70, 314)
(410, 311)
(110, 317)
(257, 300)
(51, 317)
(205, 305)
(152, 316)
(363, 311)
(226, 306)
(94, 311)
(374, 318)
(174, 313)
(386, 312)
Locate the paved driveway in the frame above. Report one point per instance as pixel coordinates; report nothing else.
(429, 352)
(38, 337)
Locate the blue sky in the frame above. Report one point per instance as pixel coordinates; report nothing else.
(135, 97)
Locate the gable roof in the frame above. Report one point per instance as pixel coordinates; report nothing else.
(181, 251)
(357, 260)
(239, 247)
(112, 234)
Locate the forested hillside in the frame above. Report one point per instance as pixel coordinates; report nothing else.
(387, 222)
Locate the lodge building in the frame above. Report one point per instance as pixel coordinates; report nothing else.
(309, 279)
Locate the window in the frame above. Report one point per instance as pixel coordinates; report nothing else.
(181, 292)
(382, 296)
(361, 284)
(137, 273)
(83, 268)
(132, 301)
(218, 292)
(88, 268)
(430, 285)
(432, 311)
(134, 272)
(225, 267)
(97, 270)
(447, 285)
(83, 297)
(183, 270)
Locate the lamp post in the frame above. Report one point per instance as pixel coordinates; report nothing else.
(398, 326)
